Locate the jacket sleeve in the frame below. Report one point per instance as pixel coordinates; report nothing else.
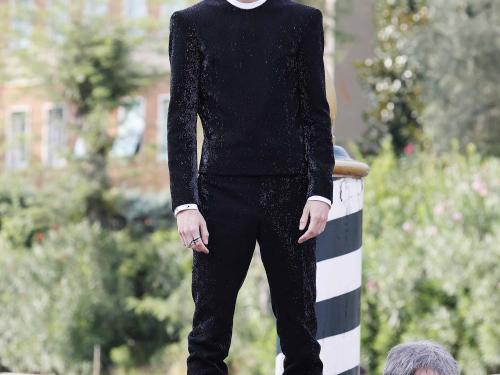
(315, 109)
(184, 56)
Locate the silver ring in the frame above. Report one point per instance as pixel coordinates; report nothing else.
(194, 240)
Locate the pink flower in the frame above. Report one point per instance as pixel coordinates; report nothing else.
(371, 285)
(439, 209)
(409, 149)
(480, 187)
(457, 216)
(432, 230)
(407, 226)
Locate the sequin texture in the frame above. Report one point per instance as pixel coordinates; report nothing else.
(242, 211)
(256, 78)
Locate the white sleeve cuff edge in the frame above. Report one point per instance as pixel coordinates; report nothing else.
(320, 198)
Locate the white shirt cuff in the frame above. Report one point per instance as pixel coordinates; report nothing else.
(182, 207)
(193, 206)
(320, 198)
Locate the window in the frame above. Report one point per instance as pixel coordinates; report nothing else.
(59, 13)
(131, 126)
(96, 8)
(134, 9)
(162, 149)
(21, 23)
(80, 148)
(17, 147)
(54, 136)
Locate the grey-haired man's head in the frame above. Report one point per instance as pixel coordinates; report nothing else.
(420, 358)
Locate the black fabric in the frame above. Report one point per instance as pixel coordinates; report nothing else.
(241, 211)
(256, 78)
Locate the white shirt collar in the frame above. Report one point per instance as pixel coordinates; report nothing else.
(243, 5)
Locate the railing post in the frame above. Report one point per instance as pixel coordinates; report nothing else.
(338, 276)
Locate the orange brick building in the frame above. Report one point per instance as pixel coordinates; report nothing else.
(35, 131)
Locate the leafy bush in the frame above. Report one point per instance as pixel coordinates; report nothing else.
(431, 235)
(70, 292)
(65, 282)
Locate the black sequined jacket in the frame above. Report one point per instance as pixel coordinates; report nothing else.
(256, 78)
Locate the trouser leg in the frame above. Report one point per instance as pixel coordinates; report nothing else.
(291, 272)
(227, 206)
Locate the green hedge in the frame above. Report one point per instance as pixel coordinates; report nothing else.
(431, 255)
(66, 283)
(71, 291)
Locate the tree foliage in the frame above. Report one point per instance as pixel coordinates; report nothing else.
(65, 282)
(459, 51)
(90, 63)
(392, 79)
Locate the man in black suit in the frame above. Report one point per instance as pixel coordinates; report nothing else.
(253, 70)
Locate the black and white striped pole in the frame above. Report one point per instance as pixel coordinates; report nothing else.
(338, 272)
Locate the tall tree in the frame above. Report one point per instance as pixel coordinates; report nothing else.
(392, 79)
(459, 50)
(85, 60)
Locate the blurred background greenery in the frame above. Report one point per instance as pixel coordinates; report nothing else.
(89, 254)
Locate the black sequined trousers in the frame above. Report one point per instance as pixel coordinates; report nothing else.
(241, 211)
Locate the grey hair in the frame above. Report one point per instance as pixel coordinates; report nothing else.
(406, 359)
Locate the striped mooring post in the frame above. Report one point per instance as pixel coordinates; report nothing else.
(338, 272)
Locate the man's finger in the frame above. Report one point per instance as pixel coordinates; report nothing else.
(311, 232)
(323, 227)
(200, 247)
(307, 235)
(204, 231)
(304, 217)
(188, 234)
(198, 244)
(183, 239)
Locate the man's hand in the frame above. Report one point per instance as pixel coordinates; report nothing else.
(318, 211)
(191, 225)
